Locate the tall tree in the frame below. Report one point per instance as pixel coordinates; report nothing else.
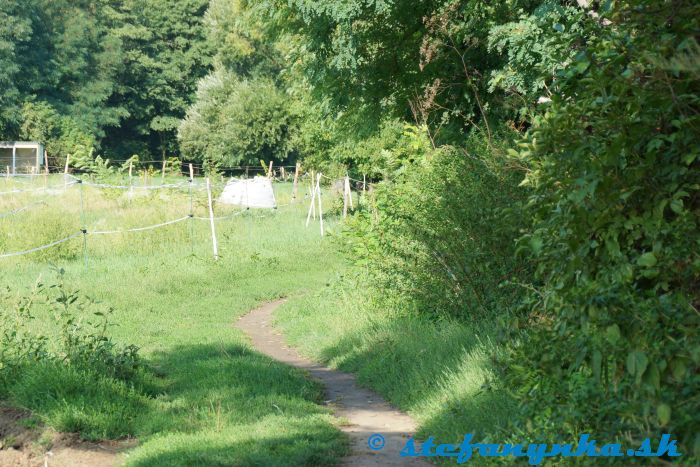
(15, 29)
(166, 54)
(242, 113)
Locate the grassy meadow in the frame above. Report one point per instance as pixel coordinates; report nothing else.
(439, 372)
(206, 398)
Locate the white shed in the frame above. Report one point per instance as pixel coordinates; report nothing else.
(21, 156)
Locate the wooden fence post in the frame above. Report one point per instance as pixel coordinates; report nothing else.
(320, 206)
(269, 171)
(46, 169)
(313, 194)
(211, 221)
(313, 200)
(345, 197)
(296, 182)
(65, 173)
(347, 181)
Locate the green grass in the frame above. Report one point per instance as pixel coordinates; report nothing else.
(213, 401)
(439, 372)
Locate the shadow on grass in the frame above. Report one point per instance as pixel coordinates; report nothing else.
(441, 372)
(304, 447)
(228, 405)
(215, 405)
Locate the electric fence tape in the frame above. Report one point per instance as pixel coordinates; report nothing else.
(18, 210)
(42, 247)
(37, 189)
(138, 229)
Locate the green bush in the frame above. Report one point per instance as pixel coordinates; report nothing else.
(237, 121)
(72, 375)
(441, 236)
(612, 343)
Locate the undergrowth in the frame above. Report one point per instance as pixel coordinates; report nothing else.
(105, 383)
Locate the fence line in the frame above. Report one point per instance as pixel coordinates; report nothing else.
(84, 232)
(138, 229)
(18, 210)
(42, 247)
(221, 218)
(45, 188)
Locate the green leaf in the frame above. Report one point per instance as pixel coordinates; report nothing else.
(663, 413)
(689, 158)
(678, 369)
(612, 333)
(677, 206)
(647, 260)
(582, 66)
(637, 362)
(596, 360)
(652, 377)
(536, 244)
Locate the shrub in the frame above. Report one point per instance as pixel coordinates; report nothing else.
(612, 345)
(76, 378)
(441, 236)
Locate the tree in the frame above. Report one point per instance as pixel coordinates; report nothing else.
(241, 113)
(166, 53)
(425, 61)
(15, 29)
(237, 121)
(61, 135)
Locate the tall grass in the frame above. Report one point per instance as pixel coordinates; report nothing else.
(441, 372)
(211, 400)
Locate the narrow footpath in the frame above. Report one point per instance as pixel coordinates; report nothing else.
(366, 412)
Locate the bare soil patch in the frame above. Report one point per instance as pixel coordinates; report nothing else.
(23, 443)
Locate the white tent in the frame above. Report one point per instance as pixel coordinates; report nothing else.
(251, 193)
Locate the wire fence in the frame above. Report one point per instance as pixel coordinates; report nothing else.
(22, 209)
(191, 184)
(42, 247)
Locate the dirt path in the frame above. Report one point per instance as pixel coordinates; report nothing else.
(366, 412)
(19, 446)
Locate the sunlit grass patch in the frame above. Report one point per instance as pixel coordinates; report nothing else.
(206, 398)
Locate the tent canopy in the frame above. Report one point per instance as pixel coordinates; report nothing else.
(251, 193)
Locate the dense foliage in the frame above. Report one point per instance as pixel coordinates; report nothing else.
(439, 236)
(582, 239)
(120, 73)
(615, 234)
(242, 113)
(237, 122)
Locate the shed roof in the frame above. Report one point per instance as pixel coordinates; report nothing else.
(19, 144)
